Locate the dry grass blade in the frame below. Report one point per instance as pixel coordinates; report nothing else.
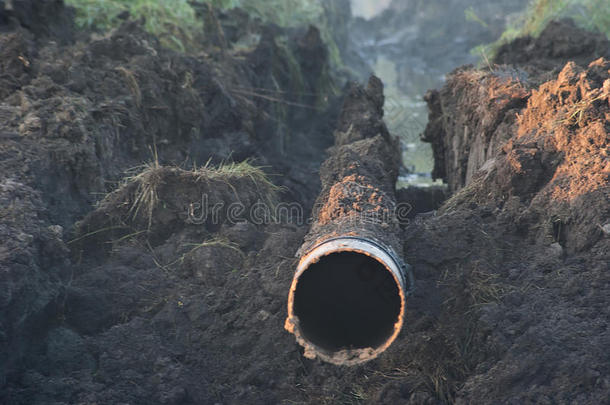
(132, 83)
(146, 197)
(273, 99)
(214, 242)
(227, 172)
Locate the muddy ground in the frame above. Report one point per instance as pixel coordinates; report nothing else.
(113, 290)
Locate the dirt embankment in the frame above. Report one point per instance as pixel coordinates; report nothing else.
(150, 301)
(75, 116)
(475, 113)
(526, 152)
(44, 18)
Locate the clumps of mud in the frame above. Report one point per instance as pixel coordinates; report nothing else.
(78, 119)
(560, 42)
(526, 156)
(44, 18)
(159, 200)
(544, 147)
(488, 104)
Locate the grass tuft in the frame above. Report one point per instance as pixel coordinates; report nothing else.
(577, 112)
(146, 197)
(149, 177)
(229, 171)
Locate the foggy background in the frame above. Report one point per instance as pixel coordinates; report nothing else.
(411, 45)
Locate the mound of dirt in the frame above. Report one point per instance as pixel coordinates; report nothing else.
(76, 116)
(187, 311)
(560, 42)
(475, 113)
(529, 166)
(471, 117)
(43, 18)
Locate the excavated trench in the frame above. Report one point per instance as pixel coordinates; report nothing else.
(107, 299)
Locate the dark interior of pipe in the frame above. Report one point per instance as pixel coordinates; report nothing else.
(347, 300)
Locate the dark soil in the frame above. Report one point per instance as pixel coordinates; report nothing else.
(43, 18)
(528, 160)
(101, 302)
(75, 117)
(559, 43)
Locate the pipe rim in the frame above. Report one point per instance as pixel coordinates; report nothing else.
(384, 255)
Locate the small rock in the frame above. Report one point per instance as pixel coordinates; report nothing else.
(556, 250)
(262, 315)
(30, 125)
(606, 229)
(514, 273)
(488, 165)
(56, 230)
(24, 237)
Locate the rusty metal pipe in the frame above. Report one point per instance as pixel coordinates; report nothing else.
(347, 300)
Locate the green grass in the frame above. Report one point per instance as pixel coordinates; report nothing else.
(245, 169)
(471, 15)
(175, 24)
(592, 15)
(285, 13)
(172, 21)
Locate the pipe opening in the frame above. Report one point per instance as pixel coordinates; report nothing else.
(347, 300)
